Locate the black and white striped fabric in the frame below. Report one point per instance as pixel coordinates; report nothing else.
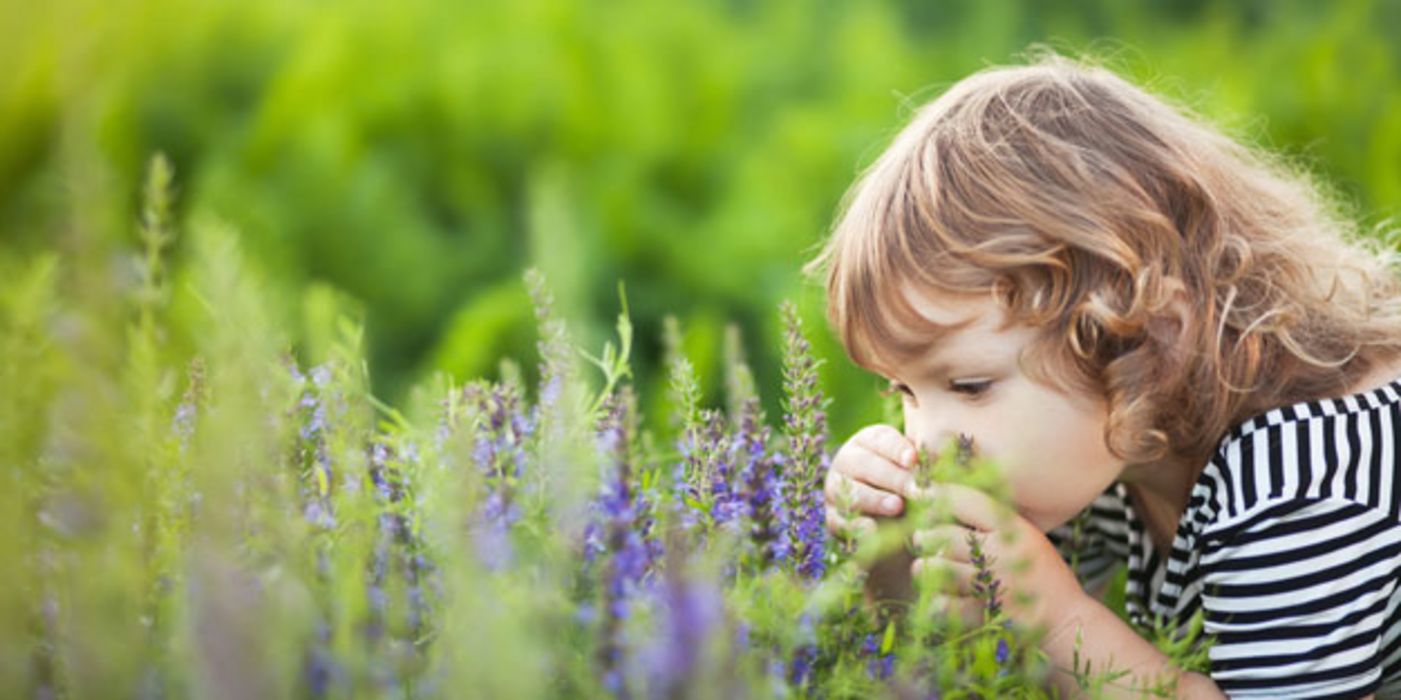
(1290, 545)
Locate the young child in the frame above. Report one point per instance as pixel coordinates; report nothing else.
(1154, 328)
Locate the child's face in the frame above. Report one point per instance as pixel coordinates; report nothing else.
(1049, 443)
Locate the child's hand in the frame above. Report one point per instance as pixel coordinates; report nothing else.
(1035, 585)
(872, 471)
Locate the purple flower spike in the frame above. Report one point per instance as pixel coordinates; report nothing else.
(986, 587)
(690, 609)
(805, 426)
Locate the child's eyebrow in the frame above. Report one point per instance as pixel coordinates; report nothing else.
(936, 359)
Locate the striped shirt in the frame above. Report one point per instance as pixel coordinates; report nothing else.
(1290, 545)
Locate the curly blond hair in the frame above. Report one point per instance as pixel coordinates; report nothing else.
(1084, 206)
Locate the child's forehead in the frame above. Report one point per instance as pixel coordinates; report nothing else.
(925, 320)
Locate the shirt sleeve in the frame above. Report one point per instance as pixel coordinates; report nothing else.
(1296, 593)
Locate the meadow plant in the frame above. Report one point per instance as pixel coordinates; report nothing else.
(198, 507)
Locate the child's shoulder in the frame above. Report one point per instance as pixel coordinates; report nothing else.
(1341, 450)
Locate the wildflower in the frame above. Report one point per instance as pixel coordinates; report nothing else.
(762, 494)
(183, 423)
(805, 426)
(690, 610)
(311, 452)
(319, 667)
(803, 659)
(805, 656)
(556, 350)
(501, 436)
(702, 479)
(879, 666)
(624, 534)
(986, 586)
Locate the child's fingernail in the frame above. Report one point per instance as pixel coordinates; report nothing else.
(890, 504)
(908, 457)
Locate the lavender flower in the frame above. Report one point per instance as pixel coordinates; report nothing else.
(805, 426)
(312, 455)
(624, 534)
(690, 611)
(805, 656)
(762, 488)
(502, 433)
(183, 423)
(319, 667)
(556, 350)
(986, 586)
(879, 666)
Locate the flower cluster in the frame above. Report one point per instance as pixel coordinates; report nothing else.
(805, 427)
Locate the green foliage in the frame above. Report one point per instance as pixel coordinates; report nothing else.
(265, 528)
(416, 158)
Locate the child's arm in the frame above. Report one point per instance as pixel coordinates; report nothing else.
(1106, 642)
(1040, 591)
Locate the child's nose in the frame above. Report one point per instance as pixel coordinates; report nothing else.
(931, 435)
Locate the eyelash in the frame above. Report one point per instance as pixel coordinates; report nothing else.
(969, 389)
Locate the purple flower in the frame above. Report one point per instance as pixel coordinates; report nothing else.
(801, 671)
(986, 586)
(805, 426)
(556, 350)
(622, 530)
(878, 666)
(690, 610)
(183, 423)
(700, 478)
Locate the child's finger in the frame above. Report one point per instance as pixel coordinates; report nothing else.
(961, 574)
(886, 441)
(865, 498)
(837, 524)
(967, 609)
(948, 541)
(875, 469)
(970, 506)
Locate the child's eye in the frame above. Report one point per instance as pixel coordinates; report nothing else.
(967, 387)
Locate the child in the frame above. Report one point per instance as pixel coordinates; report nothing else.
(1157, 329)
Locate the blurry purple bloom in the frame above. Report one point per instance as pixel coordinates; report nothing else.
(691, 611)
(318, 513)
(803, 660)
(319, 670)
(585, 614)
(492, 542)
(622, 516)
(183, 424)
(878, 666)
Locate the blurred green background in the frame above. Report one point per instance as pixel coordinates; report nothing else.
(406, 161)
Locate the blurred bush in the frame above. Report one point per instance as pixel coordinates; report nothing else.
(405, 161)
